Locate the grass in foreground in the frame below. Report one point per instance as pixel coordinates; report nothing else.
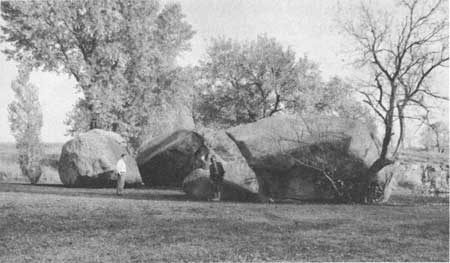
(57, 224)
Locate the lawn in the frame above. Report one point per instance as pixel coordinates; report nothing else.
(58, 224)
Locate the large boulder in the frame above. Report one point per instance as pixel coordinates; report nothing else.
(237, 171)
(199, 186)
(240, 182)
(89, 160)
(289, 154)
(167, 160)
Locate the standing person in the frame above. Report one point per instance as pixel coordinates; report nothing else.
(121, 169)
(216, 173)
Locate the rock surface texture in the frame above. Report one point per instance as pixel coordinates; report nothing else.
(198, 185)
(237, 171)
(289, 155)
(89, 160)
(167, 160)
(282, 157)
(421, 172)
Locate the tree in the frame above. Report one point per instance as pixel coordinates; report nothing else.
(121, 53)
(400, 53)
(25, 117)
(435, 137)
(335, 97)
(248, 81)
(242, 82)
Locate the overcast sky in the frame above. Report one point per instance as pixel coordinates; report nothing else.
(308, 27)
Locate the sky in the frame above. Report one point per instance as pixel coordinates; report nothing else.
(307, 26)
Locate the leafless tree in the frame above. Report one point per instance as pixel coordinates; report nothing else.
(401, 51)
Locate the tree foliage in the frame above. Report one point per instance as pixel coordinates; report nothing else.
(435, 137)
(242, 82)
(25, 117)
(121, 53)
(336, 97)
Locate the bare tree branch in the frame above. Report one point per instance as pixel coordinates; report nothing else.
(402, 57)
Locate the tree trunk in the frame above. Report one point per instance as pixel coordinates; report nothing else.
(375, 188)
(93, 122)
(379, 164)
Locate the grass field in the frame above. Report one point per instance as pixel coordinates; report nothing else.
(57, 224)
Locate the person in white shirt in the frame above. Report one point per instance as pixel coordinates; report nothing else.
(121, 169)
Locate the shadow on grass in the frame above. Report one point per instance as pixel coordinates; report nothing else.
(235, 193)
(176, 194)
(132, 192)
(140, 193)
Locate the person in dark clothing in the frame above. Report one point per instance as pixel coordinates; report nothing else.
(216, 173)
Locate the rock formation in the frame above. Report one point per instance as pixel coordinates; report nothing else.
(198, 185)
(167, 160)
(89, 160)
(235, 165)
(278, 157)
(291, 155)
(421, 172)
